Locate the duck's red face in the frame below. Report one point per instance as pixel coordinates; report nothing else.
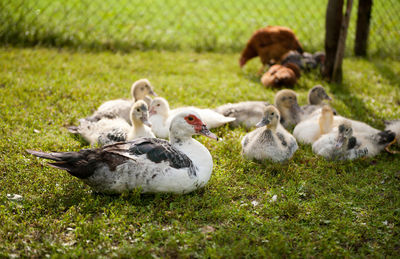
(199, 126)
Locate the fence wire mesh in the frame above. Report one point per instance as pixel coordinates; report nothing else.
(206, 25)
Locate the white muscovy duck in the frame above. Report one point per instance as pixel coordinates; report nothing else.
(161, 116)
(122, 107)
(107, 131)
(153, 165)
(270, 141)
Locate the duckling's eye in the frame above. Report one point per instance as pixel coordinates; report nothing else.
(158, 104)
(284, 98)
(138, 110)
(272, 113)
(290, 97)
(190, 118)
(142, 88)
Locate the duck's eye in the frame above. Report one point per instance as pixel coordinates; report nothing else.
(158, 104)
(272, 113)
(138, 110)
(191, 118)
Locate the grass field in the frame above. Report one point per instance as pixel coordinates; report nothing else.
(322, 208)
(207, 25)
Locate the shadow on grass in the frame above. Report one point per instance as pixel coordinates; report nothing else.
(387, 72)
(92, 203)
(357, 107)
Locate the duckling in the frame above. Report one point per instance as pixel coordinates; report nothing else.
(107, 131)
(336, 144)
(310, 130)
(247, 114)
(281, 75)
(121, 107)
(395, 127)
(289, 109)
(161, 116)
(270, 140)
(343, 144)
(316, 97)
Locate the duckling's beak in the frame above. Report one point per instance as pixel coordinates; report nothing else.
(145, 119)
(265, 121)
(327, 97)
(206, 132)
(340, 141)
(152, 93)
(152, 111)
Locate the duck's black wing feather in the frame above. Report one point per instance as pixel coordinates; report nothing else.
(157, 151)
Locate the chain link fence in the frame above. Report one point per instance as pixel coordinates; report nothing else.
(206, 25)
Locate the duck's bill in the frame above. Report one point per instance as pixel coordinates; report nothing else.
(262, 123)
(206, 132)
(152, 111)
(145, 121)
(327, 97)
(339, 142)
(153, 93)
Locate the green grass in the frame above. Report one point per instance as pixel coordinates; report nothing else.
(323, 208)
(207, 25)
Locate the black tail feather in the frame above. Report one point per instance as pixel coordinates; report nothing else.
(79, 164)
(385, 137)
(51, 156)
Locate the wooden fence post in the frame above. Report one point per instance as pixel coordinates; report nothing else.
(333, 20)
(335, 39)
(363, 21)
(337, 67)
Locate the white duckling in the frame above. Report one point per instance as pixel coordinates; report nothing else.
(343, 144)
(311, 129)
(150, 164)
(161, 116)
(122, 107)
(289, 109)
(107, 131)
(394, 126)
(247, 114)
(270, 141)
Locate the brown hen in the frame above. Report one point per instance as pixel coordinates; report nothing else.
(278, 75)
(270, 44)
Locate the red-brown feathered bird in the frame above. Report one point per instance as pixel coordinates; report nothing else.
(278, 75)
(270, 44)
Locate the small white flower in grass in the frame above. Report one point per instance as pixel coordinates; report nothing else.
(385, 222)
(14, 197)
(254, 203)
(274, 198)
